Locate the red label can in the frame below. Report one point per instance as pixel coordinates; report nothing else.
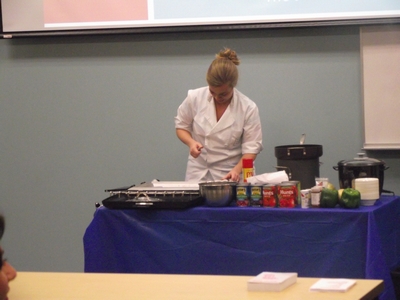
(298, 192)
(269, 195)
(287, 195)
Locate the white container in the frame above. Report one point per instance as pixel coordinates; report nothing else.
(368, 188)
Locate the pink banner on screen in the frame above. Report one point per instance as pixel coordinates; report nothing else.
(70, 11)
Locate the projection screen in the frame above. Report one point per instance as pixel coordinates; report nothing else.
(44, 17)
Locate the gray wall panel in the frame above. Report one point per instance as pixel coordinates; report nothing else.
(82, 114)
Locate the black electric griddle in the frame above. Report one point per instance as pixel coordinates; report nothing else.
(155, 195)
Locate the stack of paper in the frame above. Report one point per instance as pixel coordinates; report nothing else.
(332, 285)
(271, 281)
(156, 185)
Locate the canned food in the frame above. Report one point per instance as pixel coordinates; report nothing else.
(298, 192)
(287, 195)
(269, 195)
(242, 195)
(256, 195)
(305, 198)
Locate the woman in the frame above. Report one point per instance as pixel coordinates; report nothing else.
(220, 125)
(7, 272)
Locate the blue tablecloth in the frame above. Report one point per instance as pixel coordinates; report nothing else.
(350, 243)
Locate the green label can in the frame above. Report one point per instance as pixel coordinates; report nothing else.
(256, 195)
(242, 195)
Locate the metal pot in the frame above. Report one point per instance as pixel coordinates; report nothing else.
(301, 162)
(218, 193)
(361, 167)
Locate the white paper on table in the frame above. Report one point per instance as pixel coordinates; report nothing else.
(175, 184)
(156, 185)
(272, 178)
(271, 281)
(332, 285)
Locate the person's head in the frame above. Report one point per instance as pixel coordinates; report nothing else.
(223, 70)
(7, 272)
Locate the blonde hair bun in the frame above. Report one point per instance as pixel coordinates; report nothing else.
(223, 69)
(229, 54)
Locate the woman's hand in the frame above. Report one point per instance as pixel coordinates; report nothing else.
(186, 137)
(195, 149)
(233, 175)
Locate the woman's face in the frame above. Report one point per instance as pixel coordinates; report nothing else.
(7, 273)
(221, 94)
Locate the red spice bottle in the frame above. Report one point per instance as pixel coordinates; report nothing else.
(247, 168)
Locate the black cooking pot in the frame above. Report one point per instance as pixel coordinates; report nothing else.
(301, 162)
(361, 167)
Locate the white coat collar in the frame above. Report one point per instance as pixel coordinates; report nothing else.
(227, 118)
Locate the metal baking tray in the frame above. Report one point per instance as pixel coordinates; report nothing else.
(163, 195)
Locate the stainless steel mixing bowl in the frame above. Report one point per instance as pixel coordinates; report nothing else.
(218, 193)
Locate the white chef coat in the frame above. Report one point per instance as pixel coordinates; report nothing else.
(237, 132)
